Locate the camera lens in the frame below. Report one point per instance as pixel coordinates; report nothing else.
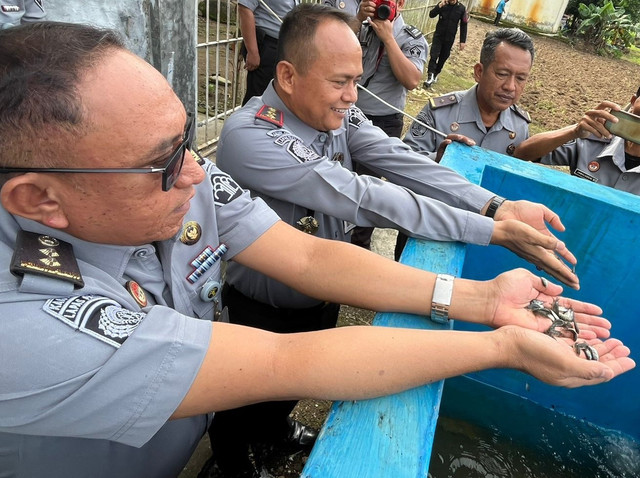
(383, 12)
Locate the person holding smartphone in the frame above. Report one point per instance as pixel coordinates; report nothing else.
(590, 150)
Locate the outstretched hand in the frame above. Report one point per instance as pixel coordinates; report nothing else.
(555, 361)
(514, 290)
(536, 243)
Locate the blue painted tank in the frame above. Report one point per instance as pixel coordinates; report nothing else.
(393, 436)
(603, 231)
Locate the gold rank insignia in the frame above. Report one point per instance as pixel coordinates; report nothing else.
(191, 233)
(136, 292)
(47, 256)
(512, 134)
(510, 149)
(454, 126)
(593, 166)
(271, 115)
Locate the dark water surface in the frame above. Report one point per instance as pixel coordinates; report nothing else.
(485, 433)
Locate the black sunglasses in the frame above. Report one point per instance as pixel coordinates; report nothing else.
(170, 171)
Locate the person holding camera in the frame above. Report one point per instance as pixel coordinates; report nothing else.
(393, 58)
(450, 13)
(589, 150)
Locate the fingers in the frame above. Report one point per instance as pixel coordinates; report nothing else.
(460, 138)
(558, 270)
(552, 219)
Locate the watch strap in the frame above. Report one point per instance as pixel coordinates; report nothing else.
(441, 299)
(495, 203)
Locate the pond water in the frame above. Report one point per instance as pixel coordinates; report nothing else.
(486, 433)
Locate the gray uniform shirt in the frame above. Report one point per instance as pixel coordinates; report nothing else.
(90, 376)
(458, 113)
(298, 170)
(14, 12)
(377, 74)
(266, 20)
(347, 6)
(598, 160)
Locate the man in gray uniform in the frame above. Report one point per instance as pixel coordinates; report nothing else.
(295, 147)
(15, 12)
(111, 363)
(393, 58)
(487, 112)
(590, 150)
(260, 26)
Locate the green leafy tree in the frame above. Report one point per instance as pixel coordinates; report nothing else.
(607, 28)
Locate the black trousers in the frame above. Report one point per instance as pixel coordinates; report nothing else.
(498, 17)
(440, 52)
(232, 431)
(392, 125)
(258, 79)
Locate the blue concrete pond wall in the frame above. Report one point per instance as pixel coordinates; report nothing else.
(392, 436)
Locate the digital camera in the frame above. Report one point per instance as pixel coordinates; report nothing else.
(385, 9)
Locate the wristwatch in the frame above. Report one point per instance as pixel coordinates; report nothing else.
(495, 203)
(441, 300)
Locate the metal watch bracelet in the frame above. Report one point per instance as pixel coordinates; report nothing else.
(495, 203)
(441, 299)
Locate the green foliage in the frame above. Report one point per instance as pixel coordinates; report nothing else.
(607, 28)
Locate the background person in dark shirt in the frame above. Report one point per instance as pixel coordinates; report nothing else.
(451, 14)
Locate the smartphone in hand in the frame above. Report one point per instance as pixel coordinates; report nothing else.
(627, 127)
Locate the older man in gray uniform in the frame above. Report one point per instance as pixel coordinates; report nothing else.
(111, 363)
(589, 150)
(15, 12)
(260, 22)
(296, 147)
(487, 112)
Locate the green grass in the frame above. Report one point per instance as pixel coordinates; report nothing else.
(633, 56)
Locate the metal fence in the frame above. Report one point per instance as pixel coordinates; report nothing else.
(220, 75)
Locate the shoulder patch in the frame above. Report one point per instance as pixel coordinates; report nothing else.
(102, 318)
(225, 189)
(47, 256)
(356, 117)
(522, 113)
(415, 32)
(271, 115)
(444, 100)
(418, 129)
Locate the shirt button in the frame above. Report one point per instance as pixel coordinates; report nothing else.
(625, 177)
(322, 138)
(141, 253)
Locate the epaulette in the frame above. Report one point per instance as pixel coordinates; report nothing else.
(444, 100)
(522, 113)
(47, 256)
(415, 32)
(271, 115)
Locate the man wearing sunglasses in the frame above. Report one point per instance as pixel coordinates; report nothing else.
(111, 363)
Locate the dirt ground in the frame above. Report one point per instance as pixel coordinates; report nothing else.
(565, 82)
